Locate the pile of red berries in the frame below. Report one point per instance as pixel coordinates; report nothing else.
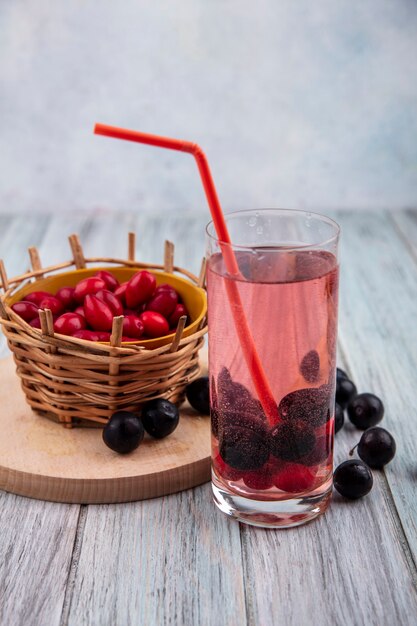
(86, 311)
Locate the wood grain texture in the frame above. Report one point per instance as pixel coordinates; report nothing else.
(177, 560)
(36, 546)
(346, 568)
(406, 225)
(37, 538)
(377, 332)
(173, 560)
(332, 572)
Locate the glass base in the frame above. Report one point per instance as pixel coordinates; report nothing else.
(273, 513)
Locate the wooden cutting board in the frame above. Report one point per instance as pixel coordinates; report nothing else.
(41, 459)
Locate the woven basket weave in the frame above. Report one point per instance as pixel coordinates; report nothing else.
(81, 383)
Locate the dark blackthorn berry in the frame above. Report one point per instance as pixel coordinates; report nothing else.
(198, 395)
(310, 366)
(340, 374)
(235, 405)
(123, 432)
(227, 419)
(291, 440)
(339, 418)
(160, 418)
(309, 265)
(309, 405)
(365, 410)
(244, 448)
(320, 453)
(377, 447)
(345, 391)
(233, 396)
(353, 479)
(229, 391)
(224, 379)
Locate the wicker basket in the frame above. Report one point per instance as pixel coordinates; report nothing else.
(81, 383)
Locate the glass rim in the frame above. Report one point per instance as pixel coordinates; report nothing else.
(319, 217)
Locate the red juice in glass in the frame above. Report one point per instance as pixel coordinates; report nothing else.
(280, 473)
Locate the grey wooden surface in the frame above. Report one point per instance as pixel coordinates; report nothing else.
(177, 560)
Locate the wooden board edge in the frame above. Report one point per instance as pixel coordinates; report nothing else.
(106, 490)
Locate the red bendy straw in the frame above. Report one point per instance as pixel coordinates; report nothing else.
(250, 353)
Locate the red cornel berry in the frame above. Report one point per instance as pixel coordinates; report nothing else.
(69, 323)
(164, 301)
(178, 312)
(103, 336)
(66, 296)
(53, 304)
(87, 310)
(80, 310)
(133, 327)
(155, 324)
(140, 288)
(111, 300)
(26, 310)
(97, 313)
(88, 286)
(110, 280)
(295, 478)
(164, 287)
(87, 335)
(259, 479)
(36, 297)
(120, 293)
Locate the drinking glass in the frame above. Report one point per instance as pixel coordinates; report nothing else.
(273, 470)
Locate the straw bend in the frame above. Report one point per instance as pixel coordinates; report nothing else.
(194, 148)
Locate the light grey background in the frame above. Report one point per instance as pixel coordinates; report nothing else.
(296, 103)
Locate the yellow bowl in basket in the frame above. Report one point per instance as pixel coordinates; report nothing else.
(193, 297)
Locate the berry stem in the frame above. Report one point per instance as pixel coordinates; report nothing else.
(353, 450)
